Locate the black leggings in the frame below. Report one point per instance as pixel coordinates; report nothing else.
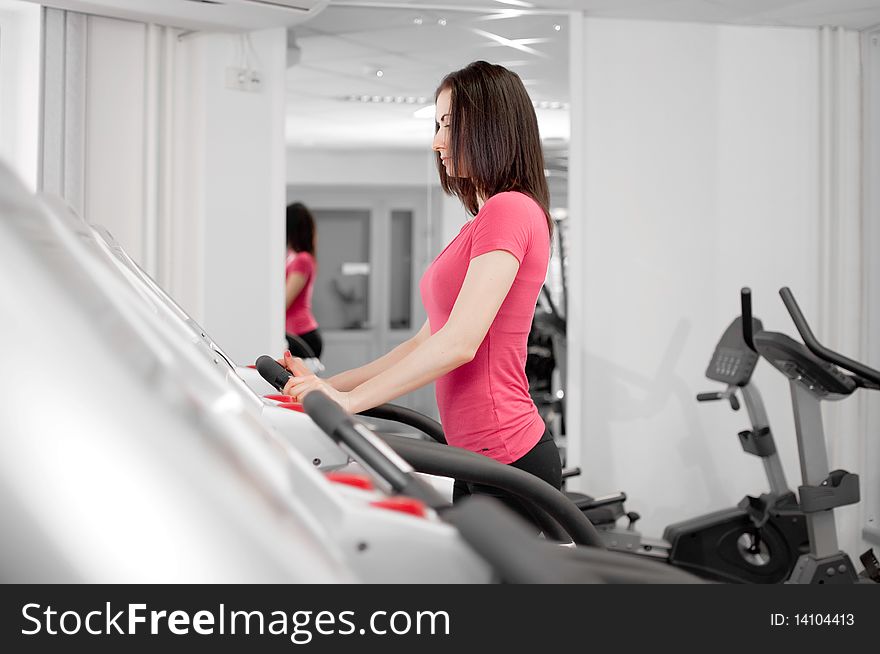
(314, 344)
(542, 460)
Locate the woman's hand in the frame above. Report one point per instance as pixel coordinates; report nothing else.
(300, 386)
(294, 364)
(304, 381)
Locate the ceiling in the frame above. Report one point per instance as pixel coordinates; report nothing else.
(336, 97)
(360, 69)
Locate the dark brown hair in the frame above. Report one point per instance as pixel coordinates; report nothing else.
(300, 228)
(494, 137)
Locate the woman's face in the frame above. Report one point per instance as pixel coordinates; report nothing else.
(443, 137)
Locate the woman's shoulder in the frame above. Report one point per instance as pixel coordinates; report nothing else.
(513, 206)
(512, 198)
(302, 261)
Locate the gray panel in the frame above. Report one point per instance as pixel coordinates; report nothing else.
(401, 261)
(340, 297)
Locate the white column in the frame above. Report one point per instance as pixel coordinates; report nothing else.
(839, 319)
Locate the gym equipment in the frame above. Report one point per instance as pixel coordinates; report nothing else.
(760, 539)
(149, 466)
(774, 537)
(245, 381)
(114, 466)
(559, 517)
(816, 373)
(144, 464)
(498, 534)
(545, 367)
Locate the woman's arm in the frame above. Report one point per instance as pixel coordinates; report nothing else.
(486, 284)
(349, 379)
(346, 381)
(294, 285)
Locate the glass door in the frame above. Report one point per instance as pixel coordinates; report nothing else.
(372, 249)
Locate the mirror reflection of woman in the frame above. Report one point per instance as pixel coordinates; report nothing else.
(303, 337)
(480, 292)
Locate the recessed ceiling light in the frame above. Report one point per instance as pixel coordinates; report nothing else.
(557, 27)
(380, 73)
(418, 20)
(441, 22)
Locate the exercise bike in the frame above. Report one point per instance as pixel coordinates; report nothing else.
(774, 537)
(757, 541)
(760, 539)
(816, 373)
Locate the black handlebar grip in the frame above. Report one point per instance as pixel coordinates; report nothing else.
(273, 372)
(369, 451)
(745, 298)
(326, 413)
(708, 397)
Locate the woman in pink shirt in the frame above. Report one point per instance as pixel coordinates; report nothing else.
(303, 337)
(480, 292)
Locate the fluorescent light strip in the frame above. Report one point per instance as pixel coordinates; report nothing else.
(428, 111)
(504, 13)
(510, 43)
(385, 99)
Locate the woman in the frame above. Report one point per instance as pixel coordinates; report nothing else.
(480, 292)
(303, 337)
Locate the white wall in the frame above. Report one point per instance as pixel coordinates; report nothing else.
(361, 167)
(369, 168)
(700, 157)
(238, 190)
(115, 143)
(20, 88)
(189, 174)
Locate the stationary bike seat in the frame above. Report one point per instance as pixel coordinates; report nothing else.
(600, 511)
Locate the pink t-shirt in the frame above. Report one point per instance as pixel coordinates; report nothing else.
(485, 404)
(299, 314)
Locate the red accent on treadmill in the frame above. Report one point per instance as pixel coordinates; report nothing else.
(351, 479)
(402, 504)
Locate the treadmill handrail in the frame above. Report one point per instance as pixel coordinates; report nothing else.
(573, 523)
(407, 416)
(817, 348)
(448, 461)
(368, 450)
